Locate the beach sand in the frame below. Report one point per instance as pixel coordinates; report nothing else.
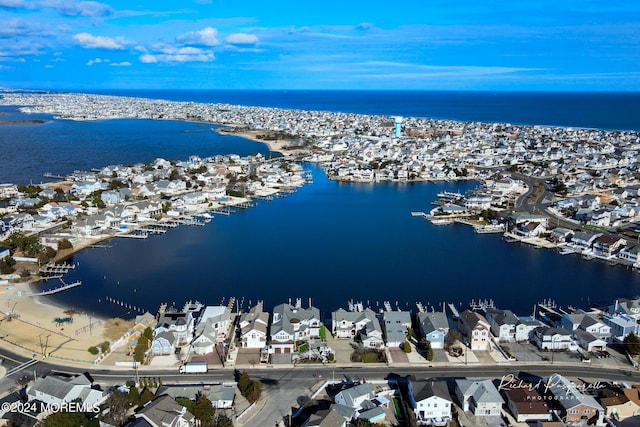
(28, 327)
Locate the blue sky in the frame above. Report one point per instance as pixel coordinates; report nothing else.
(348, 44)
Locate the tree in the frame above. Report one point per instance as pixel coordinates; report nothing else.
(141, 348)
(425, 346)
(452, 336)
(148, 333)
(409, 332)
(632, 344)
(134, 395)
(119, 404)
(203, 411)
(64, 244)
(66, 419)
(224, 421)
(145, 397)
(187, 403)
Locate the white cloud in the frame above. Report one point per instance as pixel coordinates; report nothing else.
(148, 59)
(94, 61)
(120, 64)
(241, 38)
(87, 40)
(86, 8)
(205, 37)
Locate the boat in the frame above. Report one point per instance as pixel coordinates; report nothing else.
(441, 221)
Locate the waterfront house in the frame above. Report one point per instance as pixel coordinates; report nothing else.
(480, 397)
(292, 324)
(395, 325)
(582, 241)
(574, 407)
(361, 325)
(588, 341)
(622, 325)
(4, 252)
(588, 322)
(430, 401)
(476, 329)
(561, 235)
(434, 326)
(530, 229)
(253, 327)
(525, 403)
(58, 389)
(163, 411)
(179, 323)
(505, 325)
(607, 246)
(554, 339)
(213, 325)
(630, 307)
(222, 396)
(620, 403)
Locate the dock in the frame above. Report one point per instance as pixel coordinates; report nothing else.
(53, 176)
(133, 235)
(56, 269)
(454, 311)
(64, 287)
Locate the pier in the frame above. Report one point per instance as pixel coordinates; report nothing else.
(151, 230)
(124, 304)
(62, 288)
(134, 235)
(53, 176)
(56, 269)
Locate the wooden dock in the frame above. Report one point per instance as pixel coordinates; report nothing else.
(64, 287)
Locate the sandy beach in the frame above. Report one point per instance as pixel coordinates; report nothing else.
(28, 326)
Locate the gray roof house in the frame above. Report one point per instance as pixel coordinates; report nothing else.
(253, 327)
(395, 324)
(291, 324)
(58, 389)
(480, 397)
(220, 395)
(577, 408)
(211, 329)
(163, 411)
(430, 401)
(434, 326)
(354, 397)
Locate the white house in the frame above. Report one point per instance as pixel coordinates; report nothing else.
(253, 327)
(55, 389)
(291, 324)
(430, 401)
(213, 325)
(479, 397)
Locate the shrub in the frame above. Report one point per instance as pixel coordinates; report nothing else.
(94, 350)
(64, 244)
(406, 346)
(104, 347)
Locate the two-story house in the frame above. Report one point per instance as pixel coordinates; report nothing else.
(476, 329)
(291, 324)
